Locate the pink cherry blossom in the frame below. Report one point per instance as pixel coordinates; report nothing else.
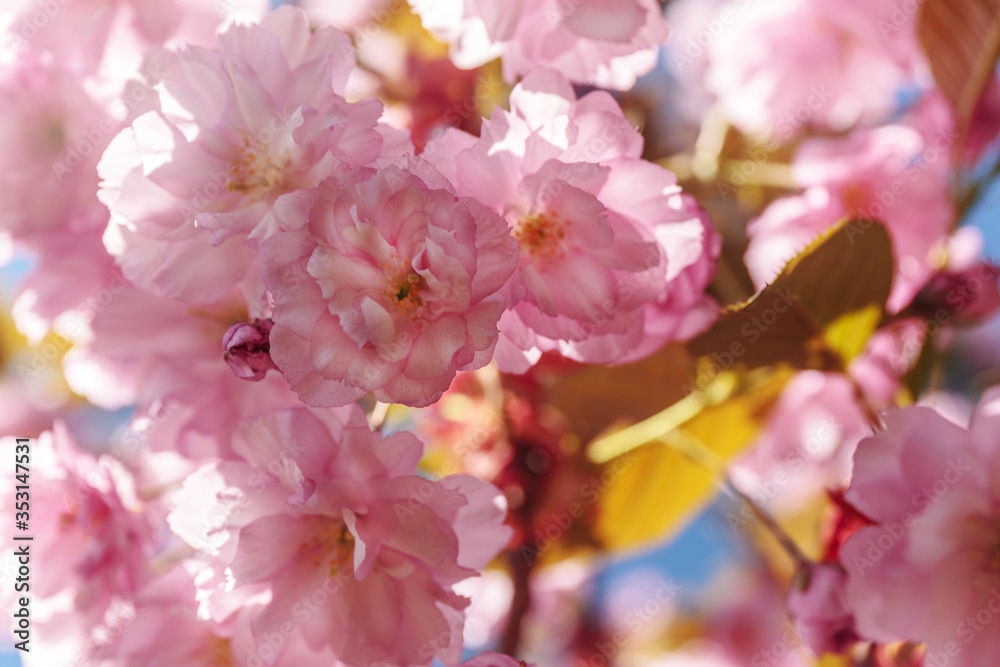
(91, 537)
(52, 134)
(965, 290)
(614, 259)
(261, 116)
(606, 43)
(109, 38)
(807, 443)
(893, 174)
(72, 279)
(926, 571)
(362, 16)
(889, 355)
(789, 64)
(167, 359)
(163, 627)
(385, 283)
(817, 602)
(326, 510)
(934, 113)
(747, 622)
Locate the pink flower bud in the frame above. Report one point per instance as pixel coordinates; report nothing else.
(247, 350)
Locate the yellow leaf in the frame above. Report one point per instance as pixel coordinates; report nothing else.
(655, 487)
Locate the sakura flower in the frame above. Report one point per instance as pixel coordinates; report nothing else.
(745, 619)
(965, 289)
(806, 445)
(90, 535)
(889, 355)
(818, 604)
(164, 627)
(934, 113)
(614, 259)
(360, 16)
(109, 38)
(788, 64)
(261, 116)
(52, 134)
(607, 43)
(893, 174)
(927, 570)
(386, 283)
(72, 279)
(167, 359)
(326, 507)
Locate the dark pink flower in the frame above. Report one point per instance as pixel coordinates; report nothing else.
(927, 570)
(614, 259)
(236, 127)
(387, 283)
(247, 351)
(817, 602)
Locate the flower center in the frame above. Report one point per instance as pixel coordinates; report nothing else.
(332, 547)
(541, 234)
(987, 545)
(219, 652)
(992, 552)
(857, 198)
(256, 171)
(401, 289)
(52, 136)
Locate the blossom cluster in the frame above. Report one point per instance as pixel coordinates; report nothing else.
(274, 250)
(326, 312)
